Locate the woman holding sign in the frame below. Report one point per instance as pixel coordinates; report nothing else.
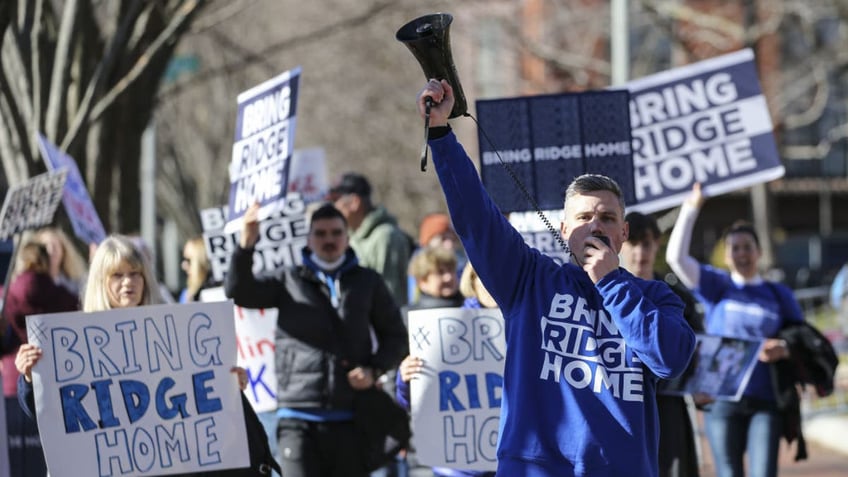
(474, 295)
(32, 291)
(739, 304)
(120, 277)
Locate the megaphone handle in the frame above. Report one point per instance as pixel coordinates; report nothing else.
(428, 103)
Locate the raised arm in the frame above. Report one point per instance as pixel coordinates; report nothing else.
(240, 284)
(677, 255)
(491, 243)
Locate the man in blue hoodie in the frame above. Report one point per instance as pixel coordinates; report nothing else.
(586, 341)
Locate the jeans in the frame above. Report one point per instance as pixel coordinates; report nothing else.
(750, 425)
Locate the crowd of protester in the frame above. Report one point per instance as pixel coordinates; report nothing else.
(343, 318)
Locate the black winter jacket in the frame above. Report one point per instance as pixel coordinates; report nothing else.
(317, 344)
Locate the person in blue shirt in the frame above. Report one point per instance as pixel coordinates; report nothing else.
(738, 304)
(586, 341)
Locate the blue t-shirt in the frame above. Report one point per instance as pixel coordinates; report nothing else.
(755, 311)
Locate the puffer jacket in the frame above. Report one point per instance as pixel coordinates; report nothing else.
(317, 344)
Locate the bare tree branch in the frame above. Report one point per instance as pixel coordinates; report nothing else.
(357, 21)
(58, 88)
(35, 55)
(213, 19)
(98, 79)
(181, 17)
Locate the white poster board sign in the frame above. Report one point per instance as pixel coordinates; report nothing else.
(255, 330)
(308, 174)
(456, 399)
(139, 391)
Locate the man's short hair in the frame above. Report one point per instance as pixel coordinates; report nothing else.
(327, 211)
(592, 183)
(641, 227)
(352, 183)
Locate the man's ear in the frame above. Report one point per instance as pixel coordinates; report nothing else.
(625, 231)
(562, 229)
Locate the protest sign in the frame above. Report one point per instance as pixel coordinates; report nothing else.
(263, 145)
(536, 233)
(456, 399)
(281, 238)
(308, 174)
(546, 141)
(31, 204)
(255, 330)
(139, 391)
(84, 219)
(721, 368)
(707, 122)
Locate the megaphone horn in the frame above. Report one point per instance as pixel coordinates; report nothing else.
(428, 38)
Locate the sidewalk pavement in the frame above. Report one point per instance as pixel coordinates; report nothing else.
(830, 431)
(827, 449)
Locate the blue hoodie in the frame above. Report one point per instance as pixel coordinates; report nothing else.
(582, 359)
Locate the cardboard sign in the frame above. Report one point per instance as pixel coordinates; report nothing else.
(281, 238)
(139, 391)
(546, 141)
(456, 399)
(722, 368)
(32, 204)
(84, 219)
(707, 122)
(263, 145)
(255, 344)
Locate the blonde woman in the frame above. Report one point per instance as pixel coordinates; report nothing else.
(67, 266)
(120, 277)
(196, 266)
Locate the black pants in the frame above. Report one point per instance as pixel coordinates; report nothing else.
(26, 458)
(319, 449)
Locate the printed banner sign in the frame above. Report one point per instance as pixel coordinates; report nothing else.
(281, 238)
(255, 330)
(32, 204)
(263, 145)
(84, 219)
(707, 122)
(721, 368)
(537, 234)
(456, 399)
(139, 391)
(549, 140)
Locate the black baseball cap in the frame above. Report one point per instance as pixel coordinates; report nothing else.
(351, 183)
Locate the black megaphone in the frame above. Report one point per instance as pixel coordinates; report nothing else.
(428, 38)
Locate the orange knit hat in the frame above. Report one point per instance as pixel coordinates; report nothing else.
(432, 225)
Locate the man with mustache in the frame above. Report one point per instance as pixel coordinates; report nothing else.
(327, 309)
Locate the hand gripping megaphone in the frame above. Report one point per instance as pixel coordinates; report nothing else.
(428, 38)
